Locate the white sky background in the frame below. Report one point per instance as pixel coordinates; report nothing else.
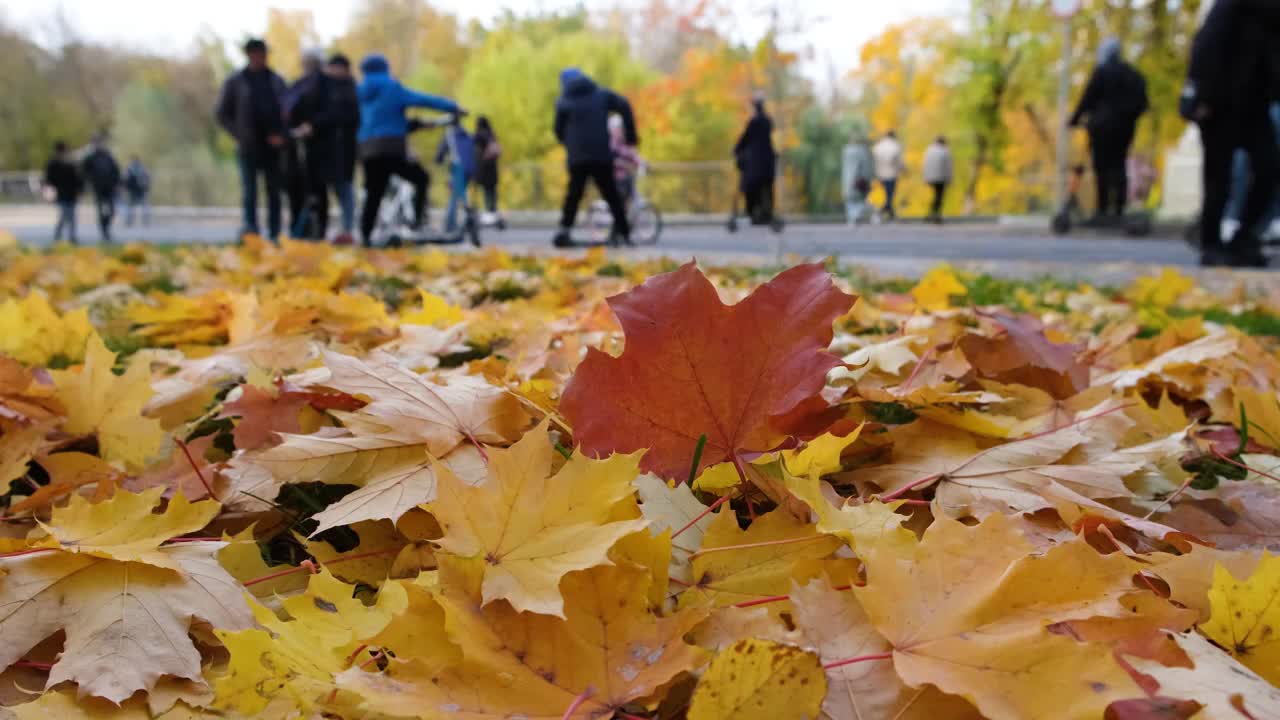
(838, 28)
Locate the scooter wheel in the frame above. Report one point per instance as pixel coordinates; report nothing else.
(732, 225)
(777, 225)
(1060, 224)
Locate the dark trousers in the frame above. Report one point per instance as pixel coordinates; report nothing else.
(890, 189)
(308, 203)
(377, 173)
(759, 199)
(602, 175)
(106, 206)
(1109, 150)
(490, 197)
(265, 162)
(935, 208)
(1255, 135)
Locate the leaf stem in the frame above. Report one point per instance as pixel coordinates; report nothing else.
(301, 568)
(577, 703)
(203, 481)
(28, 551)
(1218, 453)
(710, 509)
(909, 487)
(766, 543)
(36, 665)
(902, 389)
(858, 659)
(775, 598)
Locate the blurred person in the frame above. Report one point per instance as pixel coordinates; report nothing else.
(856, 171)
(626, 160)
(887, 153)
(1239, 194)
(582, 127)
(312, 119)
(457, 149)
(937, 173)
(1231, 83)
(137, 188)
(250, 109)
(1113, 100)
(383, 138)
(757, 162)
(102, 173)
(346, 109)
(488, 150)
(62, 180)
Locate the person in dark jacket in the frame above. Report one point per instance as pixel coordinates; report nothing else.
(137, 185)
(346, 109)
(312, 118)
(1231, 82)
(383, 137)
(250, 109)
(488, 150)
(102, 173)
(62, 177)
(757, 163)
(582, 126)
(1113, 100)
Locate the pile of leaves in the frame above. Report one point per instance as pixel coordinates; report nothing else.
(309, 482)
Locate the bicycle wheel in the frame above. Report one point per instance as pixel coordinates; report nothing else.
(646, 224)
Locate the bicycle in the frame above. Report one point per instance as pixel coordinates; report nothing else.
(644, 217)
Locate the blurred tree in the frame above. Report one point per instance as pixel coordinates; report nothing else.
(289, 32)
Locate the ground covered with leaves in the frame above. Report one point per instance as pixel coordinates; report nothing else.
(315, 482)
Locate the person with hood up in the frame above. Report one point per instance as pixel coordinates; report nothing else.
(582, 126)
(249, 108)
(457, 149)
(1114, 99)
(757, 162)
(1231, 83)
(383, 138)
(856, 172)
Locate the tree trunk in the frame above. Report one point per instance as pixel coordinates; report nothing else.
(971, 188)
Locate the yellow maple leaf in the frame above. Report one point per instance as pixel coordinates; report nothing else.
(435, 311)
(935, 289)
(532, 527)
(126, 624)
(98, 401)
(124, 526)
(607, 651)
(57, 704)
(760, 678)
(33, 332)
(1163, 290)
(820, 455)
(1245, 616)
(298, 658)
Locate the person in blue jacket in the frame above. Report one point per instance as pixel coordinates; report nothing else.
(383, 139)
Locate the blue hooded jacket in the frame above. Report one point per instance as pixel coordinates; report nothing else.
(582, 119)
(383, 101)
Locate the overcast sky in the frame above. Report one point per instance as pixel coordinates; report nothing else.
(840, 27)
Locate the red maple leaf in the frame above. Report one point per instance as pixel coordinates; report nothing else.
(693, 366)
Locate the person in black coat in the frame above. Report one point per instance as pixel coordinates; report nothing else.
(250, 109)
(63, 178)
(487, 152)
(346, 109)
(1231, 81)
(757, 163)
(311, 116)
(102, 172)
(582, 126)
(1114, 99)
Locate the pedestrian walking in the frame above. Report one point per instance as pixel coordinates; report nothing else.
(488, 150)
(887, 153)
(62, 180)
(249, 108)
(346, 110)
(856, 171)
(383, 138)
(137, 188)
(757, 162)
(102, 173)
(937, 172)
(457, 150)
(312, 119)
(582, 126)
(1231, 83)
(1113, 100)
